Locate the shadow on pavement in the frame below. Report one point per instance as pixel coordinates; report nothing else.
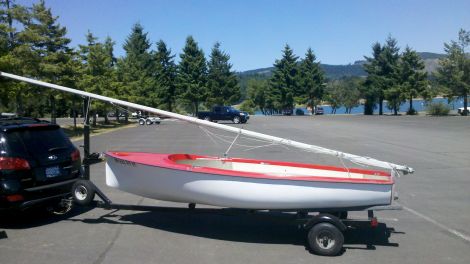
(35, 217)
(242, 226)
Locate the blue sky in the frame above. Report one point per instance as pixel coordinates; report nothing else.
(254, 32)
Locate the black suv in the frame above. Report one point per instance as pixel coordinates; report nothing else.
(38, 163)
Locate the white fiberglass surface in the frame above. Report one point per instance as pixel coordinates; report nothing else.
(276, 170)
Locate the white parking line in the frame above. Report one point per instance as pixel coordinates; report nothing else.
(440, 225)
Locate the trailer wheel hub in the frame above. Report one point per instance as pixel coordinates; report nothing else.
(81, 193)
(325, 240)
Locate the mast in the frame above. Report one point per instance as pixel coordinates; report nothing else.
(278, 140)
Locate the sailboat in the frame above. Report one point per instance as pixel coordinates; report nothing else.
(244, 183)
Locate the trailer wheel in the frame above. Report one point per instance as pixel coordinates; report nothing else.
(83, 192)
(325, 239)
(148, 122)
(141, 122)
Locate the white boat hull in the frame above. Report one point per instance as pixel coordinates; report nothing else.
(241, 192)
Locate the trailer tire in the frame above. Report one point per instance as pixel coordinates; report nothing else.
(83, 192)
(148, 122)
(325, 239)
(141, 122)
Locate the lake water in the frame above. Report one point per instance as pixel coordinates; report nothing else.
(418, 105)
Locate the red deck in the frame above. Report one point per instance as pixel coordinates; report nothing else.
(169, 161)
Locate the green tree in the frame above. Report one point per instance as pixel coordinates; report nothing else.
(351, 93)
(222, 83)
(373, 83)
(257, 93)
(312, 80)
(454, 70)
(98, 73)
(192, 74)
(413, 77)
(394, 97)
(165, 75)
(284, 81)
(389, 67)
(49, 46)
(134, 70)
(15, 57)
(334, 95)
(381, 69)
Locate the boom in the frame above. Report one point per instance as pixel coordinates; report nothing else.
(354, 158)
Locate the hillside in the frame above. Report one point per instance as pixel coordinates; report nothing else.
(334, 72)
(355, 69)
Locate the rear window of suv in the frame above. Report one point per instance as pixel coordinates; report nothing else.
(35, 141)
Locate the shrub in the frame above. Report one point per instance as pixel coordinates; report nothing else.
(248, 106)
(437, 109)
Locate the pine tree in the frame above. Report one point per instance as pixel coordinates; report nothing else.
(454, 70)
(284, 80)
(165, 75)
(98, 72)
(312, 80)
(389, 67)
(15, 55)
(44, 41)
(135, 70)
(222, 84)
(381, 69)
(192, 74)
(373, 83)
(413, 77)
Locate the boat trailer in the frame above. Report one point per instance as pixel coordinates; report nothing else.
(325, 230)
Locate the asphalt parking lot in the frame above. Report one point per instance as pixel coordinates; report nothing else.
(432, 228)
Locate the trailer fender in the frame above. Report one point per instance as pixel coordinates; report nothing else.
(325, 218)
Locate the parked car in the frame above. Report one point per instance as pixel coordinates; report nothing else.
(38, 164)
(287, 111)
(224, 113)
(319, 110)
(460, 110)
(149, 120)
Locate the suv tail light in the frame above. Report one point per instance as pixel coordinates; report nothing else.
(75, 155)
(7, 163)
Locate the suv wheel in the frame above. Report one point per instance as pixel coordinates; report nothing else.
(207, 118)
(236, 120)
